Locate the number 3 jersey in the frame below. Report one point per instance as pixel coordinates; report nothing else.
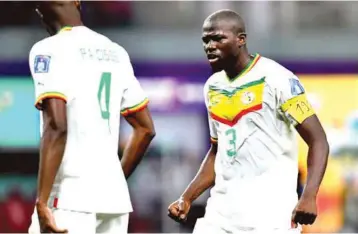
(252, 118)
(94, 76)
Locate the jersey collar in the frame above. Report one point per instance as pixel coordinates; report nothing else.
(65, 28)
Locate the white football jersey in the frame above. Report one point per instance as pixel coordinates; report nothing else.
(95, 78)
(252, 118)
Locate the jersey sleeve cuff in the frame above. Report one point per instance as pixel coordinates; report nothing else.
(39, 100)
(213, 140)
(136, 108)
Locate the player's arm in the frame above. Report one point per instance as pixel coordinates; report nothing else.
(52, 145)
(203, 180)
(142, 134)
(134, 108)
(300, 113)
(205, 177)
(51, 97)
(313, 134)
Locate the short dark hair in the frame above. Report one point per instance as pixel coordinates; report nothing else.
(228, 15)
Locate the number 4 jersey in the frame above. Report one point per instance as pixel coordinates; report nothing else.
(252, 119)
(94, 76)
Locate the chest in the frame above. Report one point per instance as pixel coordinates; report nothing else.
(228, 103)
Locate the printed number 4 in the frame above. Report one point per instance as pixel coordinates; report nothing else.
(231, 134)
(104, 94)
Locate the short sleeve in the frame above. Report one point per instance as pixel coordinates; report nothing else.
(213, 131)
(211, 121)
(47, 70)
(134, 98)
(293, 101)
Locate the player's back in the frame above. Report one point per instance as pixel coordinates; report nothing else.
(95, 102)
(94, 74)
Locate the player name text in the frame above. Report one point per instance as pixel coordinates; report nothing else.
(102, 55)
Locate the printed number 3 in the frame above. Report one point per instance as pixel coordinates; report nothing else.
(231, 134)
(104, 94)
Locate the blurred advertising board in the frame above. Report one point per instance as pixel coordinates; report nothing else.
(333, 97)
(19, 119)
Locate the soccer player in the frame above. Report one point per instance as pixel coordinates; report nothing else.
(254, 104)
(83, 83)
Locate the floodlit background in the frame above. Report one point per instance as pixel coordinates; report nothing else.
(316, 40)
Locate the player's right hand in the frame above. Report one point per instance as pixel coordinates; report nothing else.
(46, 220)
(179, 210)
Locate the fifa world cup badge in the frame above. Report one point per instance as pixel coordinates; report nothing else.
(42, 63)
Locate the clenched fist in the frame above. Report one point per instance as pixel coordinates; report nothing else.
(179, 210)
(305, 211)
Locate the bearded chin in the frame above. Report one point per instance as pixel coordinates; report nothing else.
(217, 67)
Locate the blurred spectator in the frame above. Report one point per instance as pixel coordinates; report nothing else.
(15, 14)
(95, 13)
(114, 13)
(16, 212)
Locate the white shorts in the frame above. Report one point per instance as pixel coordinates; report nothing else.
(83, 222)
(204, 226)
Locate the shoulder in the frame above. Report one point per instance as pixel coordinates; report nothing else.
(123, 57)
(274, 69)
(44, 46)
(41, 53)
(214, 79)
(49, 52)
(97, 36)
(122, 52)
(276, 74)
(50, 46)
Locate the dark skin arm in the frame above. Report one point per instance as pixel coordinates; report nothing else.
(52, 145)
(204, 179)
(143, 133)
(52, 148)
(313, 134)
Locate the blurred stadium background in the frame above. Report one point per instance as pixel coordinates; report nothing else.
(317, 40)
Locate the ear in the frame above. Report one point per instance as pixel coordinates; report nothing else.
(241, 39)
(39, 13)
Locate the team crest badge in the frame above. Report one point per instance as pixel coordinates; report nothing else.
(42, 63)
(247, 97)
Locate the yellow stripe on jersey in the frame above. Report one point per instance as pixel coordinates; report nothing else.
(298, 108)
(213, 140)
(46, 95)
(135, 108)
(229, 106)
(65, 28)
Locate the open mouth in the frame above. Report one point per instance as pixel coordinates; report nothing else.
(212, 57)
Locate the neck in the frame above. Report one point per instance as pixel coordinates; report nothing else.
(241, 63)
(57, 26)
(68, 23)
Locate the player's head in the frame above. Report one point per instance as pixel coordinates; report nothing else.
(55, 14)
(224, 37)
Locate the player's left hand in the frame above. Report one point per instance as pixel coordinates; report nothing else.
(305, 211)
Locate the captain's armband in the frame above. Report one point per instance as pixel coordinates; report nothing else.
(297, 109)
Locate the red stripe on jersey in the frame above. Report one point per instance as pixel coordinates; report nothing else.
(55, 201)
